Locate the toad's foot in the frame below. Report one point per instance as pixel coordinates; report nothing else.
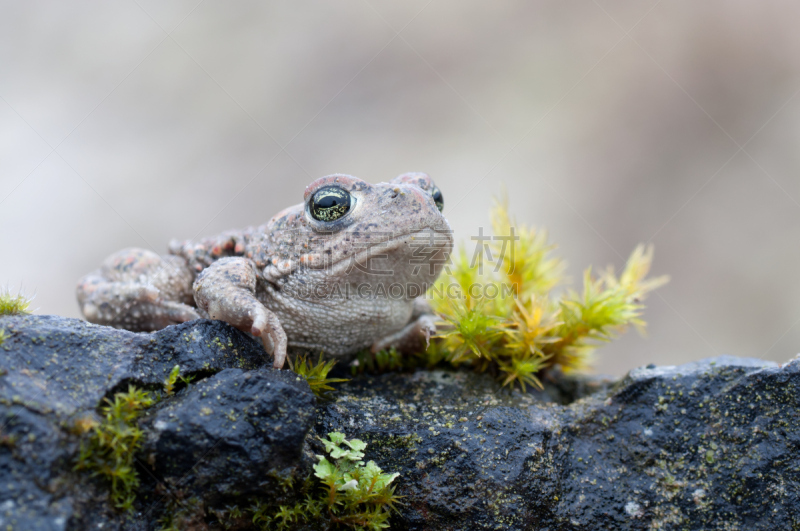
(138, 290)
(226, 290)
(411, 339)
(415, 336)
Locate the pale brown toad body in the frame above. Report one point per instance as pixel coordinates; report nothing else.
(340, 272)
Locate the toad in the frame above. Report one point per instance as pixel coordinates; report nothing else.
(342, 271)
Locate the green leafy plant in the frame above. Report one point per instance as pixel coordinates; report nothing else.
(343, 492)
(317, 375)
(3, 336)
(109, 450)
(503, 317)
(358, 495)
(13, 304)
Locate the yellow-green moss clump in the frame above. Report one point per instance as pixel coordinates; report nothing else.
(109, 450)
(503, 317)
(13, 304)
(111, 446)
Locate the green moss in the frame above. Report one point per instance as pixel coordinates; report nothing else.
(382, 361)
(111, 446)
(109, 450)
(183, 514)
(13, 304)
(503, 316)
(316, 375)
(174, 378)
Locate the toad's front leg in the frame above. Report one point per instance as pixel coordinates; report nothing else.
(226, 290)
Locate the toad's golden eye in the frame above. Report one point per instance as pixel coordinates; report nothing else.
(330, 203)
(438, 198)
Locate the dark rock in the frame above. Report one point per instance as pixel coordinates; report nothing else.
(56, 371)
(32, 459)
(64, 366)
(231, 434)
(712, 445)
(707, 445)
(471, 455)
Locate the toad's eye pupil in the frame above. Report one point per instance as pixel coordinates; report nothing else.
(438, 198)
(330, 203)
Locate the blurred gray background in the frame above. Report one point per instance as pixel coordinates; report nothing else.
(128, 123)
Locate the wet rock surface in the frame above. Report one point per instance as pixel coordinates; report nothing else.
(708, 445)
(223, 437)
(240, 419)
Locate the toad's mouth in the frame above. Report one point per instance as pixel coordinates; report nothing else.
(421, 247)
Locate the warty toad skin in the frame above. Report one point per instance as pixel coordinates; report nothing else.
(339, 272)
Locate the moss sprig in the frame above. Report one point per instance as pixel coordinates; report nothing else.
(526, 257)
(506, 318)
(171, 382)
(375, 362)
(13, 304)
(316, 374)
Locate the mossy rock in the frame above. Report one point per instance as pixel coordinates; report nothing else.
(708, 445)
